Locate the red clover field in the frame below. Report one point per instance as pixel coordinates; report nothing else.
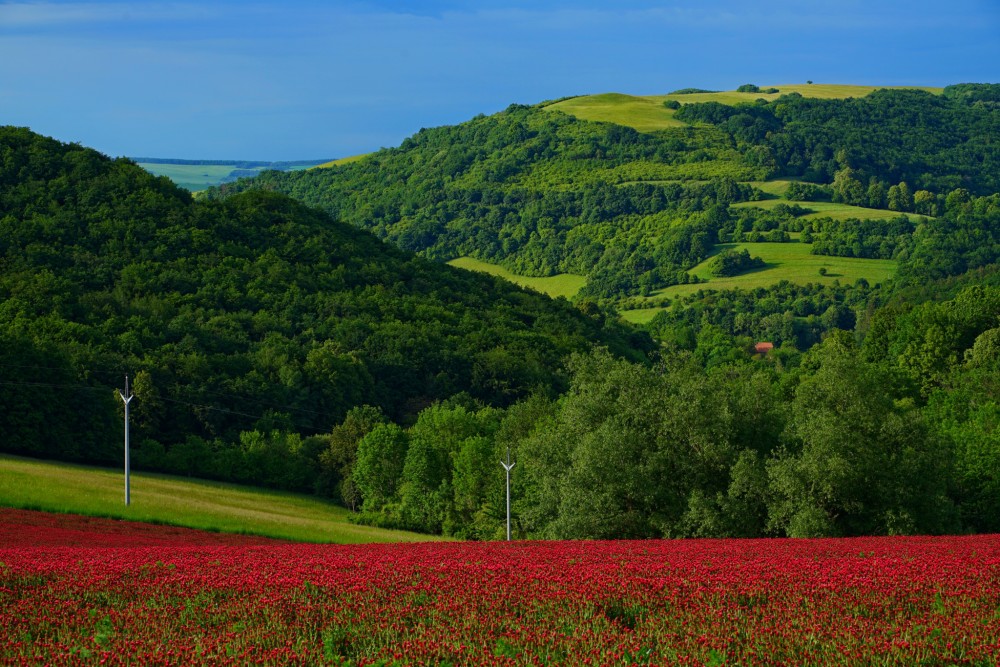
(75, 590)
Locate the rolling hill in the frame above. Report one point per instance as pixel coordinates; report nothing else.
(251, 327)
(647, 113)
(633, 195)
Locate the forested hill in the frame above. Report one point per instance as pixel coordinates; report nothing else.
(932, 142)
(542, 193)
(250, 315)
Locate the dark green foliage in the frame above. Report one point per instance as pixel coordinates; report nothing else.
(748, 88)
(874, 239)
(860, 459)
(248, 324)
(796, 315)
(733, 262)
(799, 191)
(983, 94)
(935, 143)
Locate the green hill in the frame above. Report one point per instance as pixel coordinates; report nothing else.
(161, 499)
(647, 113)
(251, 327)
(549, 190)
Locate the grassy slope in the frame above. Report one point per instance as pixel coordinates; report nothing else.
(340, 161)
(785, 261)
(642, 113)
(564, 284)
(824, 209)
(61, 487)
(818, 90)
(646, 113)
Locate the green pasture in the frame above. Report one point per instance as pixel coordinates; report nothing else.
(825, 209)
(340, 161)
(775, 188)
(228, 508)
(817, 90)
(784, 261)
(788, 261)
(564, 284)
(641, 113)
(640, 315)
(646, 113)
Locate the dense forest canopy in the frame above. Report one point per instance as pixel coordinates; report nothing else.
(932, 142)
(271, 343)
(255, 313)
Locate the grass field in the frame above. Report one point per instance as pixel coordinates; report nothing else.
(776, 188)
(340, 161)
(646, 113)
(817, 90)
(564, 284)
(785, 261)
(641, 113)
(62, 487)
(825, 209)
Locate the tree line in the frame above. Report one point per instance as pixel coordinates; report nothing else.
(895, 434)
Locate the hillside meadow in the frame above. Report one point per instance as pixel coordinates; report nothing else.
(163, 499)
(564, 284)
(641, 113)
(646, 113)
(833, 210)
(784, 261)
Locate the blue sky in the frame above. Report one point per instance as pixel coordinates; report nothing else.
(269, 80)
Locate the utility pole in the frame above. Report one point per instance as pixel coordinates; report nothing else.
(126, 398)
(507, 466)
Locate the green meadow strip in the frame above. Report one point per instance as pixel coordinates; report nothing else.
(67, 488)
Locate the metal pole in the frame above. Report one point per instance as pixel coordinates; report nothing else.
(507, 466)
(126, 398)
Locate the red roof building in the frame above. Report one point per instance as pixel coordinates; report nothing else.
(763, 348)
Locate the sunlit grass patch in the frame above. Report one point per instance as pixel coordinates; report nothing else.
(564, 284)
(229, 508)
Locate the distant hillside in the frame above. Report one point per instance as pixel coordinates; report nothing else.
(648, 113)
(246, 324)
(197, 175)
(543, 193)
